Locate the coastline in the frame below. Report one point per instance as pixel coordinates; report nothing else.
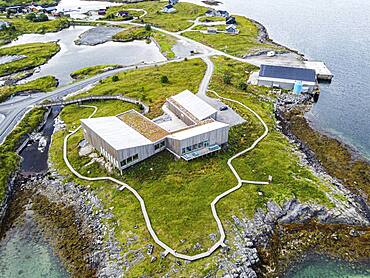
(286, 126)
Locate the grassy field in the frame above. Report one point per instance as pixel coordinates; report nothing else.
(8, 3)
(178, 193)
(37, 54)
(172, 22)
(9, 160)
(92, 71)
(22, 26)
(145, 84)
(239, 45)
(42, 84)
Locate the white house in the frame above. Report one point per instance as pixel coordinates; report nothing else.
(168, 9)
(232, 29)
(129, 138)
(173, 2)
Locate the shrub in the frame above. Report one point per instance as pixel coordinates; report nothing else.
(243, 86)
(227, 78)
(148, 27)
(164, 79)
(115, 78)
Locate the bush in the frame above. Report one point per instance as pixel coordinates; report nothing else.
(243, 86)
(164, 79)
(31, 17)
(115, 78)
(148, 27)
(227, 78)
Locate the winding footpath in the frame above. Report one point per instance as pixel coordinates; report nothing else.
(153, 234)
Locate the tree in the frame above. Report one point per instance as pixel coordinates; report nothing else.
(243, 86)
(148, 27)
(42, 17)
(227, 78)
(164, 79)
(115, 78)
(31, 17)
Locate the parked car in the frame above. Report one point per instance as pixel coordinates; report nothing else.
(223, 108)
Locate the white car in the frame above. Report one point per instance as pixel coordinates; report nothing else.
(271, 54)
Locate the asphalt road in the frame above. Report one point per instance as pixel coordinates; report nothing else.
(13, 111)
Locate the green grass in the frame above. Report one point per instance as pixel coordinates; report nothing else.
(172, 22)
(164, 42)
(239, 45)
(131, 34)
(37, 55)
(145, 83)
(92, 71)
(42, 84)
(9, 160)
(211, 19)
(8, 3)
(178, 193)
(22, 26)
(112, 11)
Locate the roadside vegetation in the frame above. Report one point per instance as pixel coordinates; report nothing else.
(92, 71)
(177, 21)
(246, 42)
(178, 193)
(42, 84)
(9, 160)
(8, 3)
(164, 42)
(36, 54)
(20, 25)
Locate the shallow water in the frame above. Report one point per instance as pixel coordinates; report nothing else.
(336, 32)
(24, 256)
(72, 57)
(318, 266)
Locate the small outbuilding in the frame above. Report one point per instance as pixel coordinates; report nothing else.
(232, 29)
(223, 13)
(173, 2)
(168, 9)
(286, 77)
(230, 20)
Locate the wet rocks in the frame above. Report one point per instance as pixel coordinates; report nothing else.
(97, 35)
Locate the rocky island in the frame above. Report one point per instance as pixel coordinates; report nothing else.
(278, 193)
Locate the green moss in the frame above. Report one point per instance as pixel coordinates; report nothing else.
(36, 54)
(172, 22)
(92, 71)
(131, 34)
(334, 156)
(22, 26)
(42, 84)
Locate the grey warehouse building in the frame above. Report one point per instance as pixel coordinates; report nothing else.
(286, 77)
(129, 138)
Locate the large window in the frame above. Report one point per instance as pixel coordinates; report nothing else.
(159, 145)
(195, 147)
(129, 160)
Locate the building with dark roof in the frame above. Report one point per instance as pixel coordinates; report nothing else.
(286, 77)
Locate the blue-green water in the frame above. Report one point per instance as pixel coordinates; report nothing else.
(317, 267)
(25, 254)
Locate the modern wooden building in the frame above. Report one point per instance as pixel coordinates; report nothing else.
(129, 138)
